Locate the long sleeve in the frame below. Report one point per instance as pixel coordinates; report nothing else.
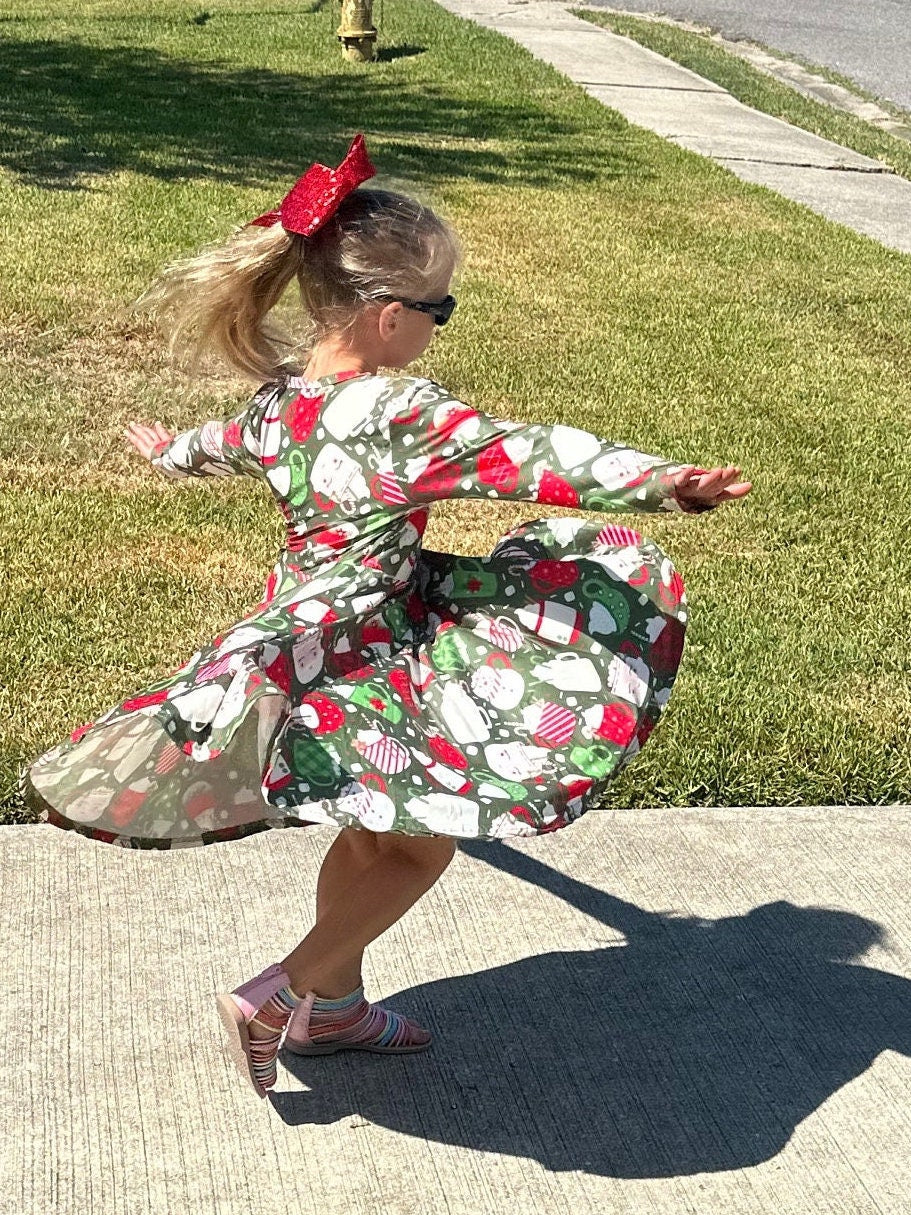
(443, 448)
(221, 447)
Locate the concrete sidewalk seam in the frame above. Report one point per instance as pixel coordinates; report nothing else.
(796, 164)
(658, 88)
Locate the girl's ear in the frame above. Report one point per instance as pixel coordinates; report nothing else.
(388, 320)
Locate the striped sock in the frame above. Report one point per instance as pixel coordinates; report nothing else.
(274, 1016)
(351, 1019)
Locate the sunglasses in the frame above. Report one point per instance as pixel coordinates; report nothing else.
(440, 310)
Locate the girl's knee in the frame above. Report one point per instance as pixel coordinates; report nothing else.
(427, 851)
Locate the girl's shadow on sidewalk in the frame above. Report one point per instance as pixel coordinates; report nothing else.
(698, 1046)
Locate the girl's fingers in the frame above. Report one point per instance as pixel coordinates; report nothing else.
(739, 490)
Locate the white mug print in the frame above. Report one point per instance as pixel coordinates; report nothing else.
(337, 476)
(628, 678)
(198, 706)
(501, 686)
(350, 410)
(569, 673)
(466, 721)
(279, 477)
(373, 808)
(618, 468)
(238, 638)
(573, 447)
(515, 760)
(445, 813)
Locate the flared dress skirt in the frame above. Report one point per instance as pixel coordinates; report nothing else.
(474, 697)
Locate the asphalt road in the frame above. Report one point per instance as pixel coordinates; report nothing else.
(869, 42)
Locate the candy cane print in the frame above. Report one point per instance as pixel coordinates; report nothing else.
(550, 724)
(271, 432)
(500, 632)
(385, 753)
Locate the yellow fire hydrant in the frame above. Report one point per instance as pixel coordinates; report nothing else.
(357, 32)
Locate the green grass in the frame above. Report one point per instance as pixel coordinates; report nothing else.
(612, 280)
(757, 89)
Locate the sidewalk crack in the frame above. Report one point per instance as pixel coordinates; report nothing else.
(658, 88)
(799, 164)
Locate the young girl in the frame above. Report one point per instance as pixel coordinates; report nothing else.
(411, 698)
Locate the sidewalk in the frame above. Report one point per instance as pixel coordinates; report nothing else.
(655, 93)
(653, 1012)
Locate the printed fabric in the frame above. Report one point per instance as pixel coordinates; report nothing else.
(378, 684)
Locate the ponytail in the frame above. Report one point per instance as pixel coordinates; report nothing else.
(221, 299)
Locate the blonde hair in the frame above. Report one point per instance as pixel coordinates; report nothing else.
(378, 244)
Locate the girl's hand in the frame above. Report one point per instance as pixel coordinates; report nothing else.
(148, 439)
(708, 487)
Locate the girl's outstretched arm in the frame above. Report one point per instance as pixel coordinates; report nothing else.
(217, 448)
(443, 448)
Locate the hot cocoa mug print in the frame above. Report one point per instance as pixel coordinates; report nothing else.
(445, 813)
(470, 580)
(516, 761)
(369, 802)
(499, 631)
(372, 695)
(339, 478)
(498, 682)
(569, 673)
(466, 721)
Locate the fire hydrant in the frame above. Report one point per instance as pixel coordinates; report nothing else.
(357, 32)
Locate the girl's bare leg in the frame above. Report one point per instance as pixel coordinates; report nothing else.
(402, 869)
(352, 851)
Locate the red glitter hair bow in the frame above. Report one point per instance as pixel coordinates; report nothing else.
(315, 197)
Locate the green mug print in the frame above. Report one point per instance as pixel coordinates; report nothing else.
(470, 580)
(513, 788)
(450, 651)
(374, 696)
(594, 592)
(297, 465)
(315, 764)
(595, 761)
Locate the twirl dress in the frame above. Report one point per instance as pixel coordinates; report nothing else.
(378, 684)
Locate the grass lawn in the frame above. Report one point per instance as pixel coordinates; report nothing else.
(612, 281)
(757, 89)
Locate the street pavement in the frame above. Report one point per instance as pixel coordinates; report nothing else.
(651, 1011)
(655, 93)
(870, 42)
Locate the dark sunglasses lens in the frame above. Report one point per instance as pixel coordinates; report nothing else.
(444, 312)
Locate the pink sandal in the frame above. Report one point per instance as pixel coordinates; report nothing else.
(322, 1027)
(268, 997)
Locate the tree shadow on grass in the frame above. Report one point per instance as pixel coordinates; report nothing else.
(75, 108)
(387, 53)
(699, 1046)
